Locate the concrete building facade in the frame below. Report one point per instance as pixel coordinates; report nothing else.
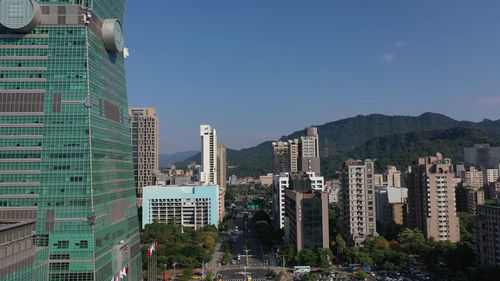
(144, 132)
(309, 151)
(209, 173)
(472, 177)
(307, 219)
(357, 190)
(392, 204)
(221, 179)
(431, 198)
(189, 206)
(285, 181)
(487, 233)
(468, 198)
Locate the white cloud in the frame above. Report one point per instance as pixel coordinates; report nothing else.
(388, 58)
(399, 44)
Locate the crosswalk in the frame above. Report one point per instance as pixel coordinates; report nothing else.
(243, 267)
(242, 279)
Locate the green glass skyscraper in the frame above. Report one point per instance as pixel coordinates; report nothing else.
(67, 193)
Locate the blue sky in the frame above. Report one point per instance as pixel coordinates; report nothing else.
(259, 69)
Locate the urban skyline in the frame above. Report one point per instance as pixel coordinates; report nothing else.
(366, 58)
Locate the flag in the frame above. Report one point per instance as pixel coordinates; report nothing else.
(127, 270)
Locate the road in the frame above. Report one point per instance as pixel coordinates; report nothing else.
(244, 239)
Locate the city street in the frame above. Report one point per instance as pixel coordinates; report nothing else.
(244, 238)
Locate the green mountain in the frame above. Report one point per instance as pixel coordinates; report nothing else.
(353, 137)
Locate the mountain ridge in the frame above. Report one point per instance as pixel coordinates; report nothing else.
(339, 138)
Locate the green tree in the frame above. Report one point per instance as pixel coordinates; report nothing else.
(306, 257)
(412, 241)
(340, 246)
(361, 275)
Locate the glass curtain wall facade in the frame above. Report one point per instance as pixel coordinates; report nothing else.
(65, 149)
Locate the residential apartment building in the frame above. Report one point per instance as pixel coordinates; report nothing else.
(221, 179)
(309, 151)
(431, 198)
(392, 204)
(209, 174)
(472, 177)
(394, 177)
(306, 218)
(66, 156)
(487, 235)
(189, 206)
(468, 198)
(285, 156)
(357, 190)
(492, 175)
(145, 153)
(332, 188)
(284, 181)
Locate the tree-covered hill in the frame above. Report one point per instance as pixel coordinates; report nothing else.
(373, 136)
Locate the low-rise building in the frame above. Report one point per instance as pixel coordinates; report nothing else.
(266, 180)
(392, 204)
(189, 206)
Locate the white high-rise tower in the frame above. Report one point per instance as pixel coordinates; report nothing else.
(208, 175)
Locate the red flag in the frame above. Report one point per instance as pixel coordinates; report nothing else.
(127, 270)
(156, 245)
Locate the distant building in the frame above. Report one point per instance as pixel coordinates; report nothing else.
(472, 177)
(491, 175)
(293, 152)
(431, 198)
(332, 188)
(378, 180)
(487, 236)
(391, 177)
(492, 190)
(307, 219)
(394, 177)
(468, 197)
(144, 131)
(358, 200)
(483, 156)
(233, 180)
(209, 173)
(289, 180)
(309, 151)
(221, 179)
(266, 180)
(392, 204)
(281, 157)
(189, 206)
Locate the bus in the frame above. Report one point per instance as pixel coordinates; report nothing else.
(301, 269)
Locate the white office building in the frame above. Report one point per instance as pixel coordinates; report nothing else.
(208, 174)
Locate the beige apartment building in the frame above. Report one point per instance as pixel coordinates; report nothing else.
(357, 189)
(144, 134)
(221, 179)
(431, 198)
(472, 177)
